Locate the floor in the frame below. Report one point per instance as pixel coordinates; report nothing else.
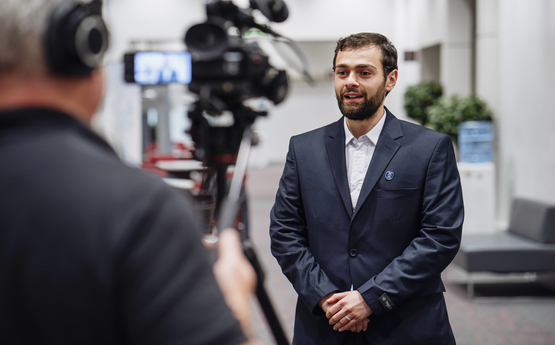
(504, 313)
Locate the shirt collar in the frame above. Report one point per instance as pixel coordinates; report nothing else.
(373, 135)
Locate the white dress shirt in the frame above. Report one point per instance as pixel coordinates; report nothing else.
(358, 154)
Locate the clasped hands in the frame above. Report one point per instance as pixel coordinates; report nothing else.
(346, 311)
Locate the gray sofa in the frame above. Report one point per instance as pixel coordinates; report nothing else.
(527, 246)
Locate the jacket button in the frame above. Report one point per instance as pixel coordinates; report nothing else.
(353, 252)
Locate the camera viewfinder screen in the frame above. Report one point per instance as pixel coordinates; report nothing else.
(152, 68)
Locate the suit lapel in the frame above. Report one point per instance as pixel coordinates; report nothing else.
(335, 144)
(384, 152)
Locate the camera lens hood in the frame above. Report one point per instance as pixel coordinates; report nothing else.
(207, 41)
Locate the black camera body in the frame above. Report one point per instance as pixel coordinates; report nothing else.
(228, 65)
(243, 71)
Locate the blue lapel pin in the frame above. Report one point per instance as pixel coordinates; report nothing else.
(389, 175)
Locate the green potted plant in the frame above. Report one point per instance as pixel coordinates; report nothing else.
(419, 97)
(445, 115)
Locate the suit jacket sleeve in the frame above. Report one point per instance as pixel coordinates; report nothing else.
(408, 275)
(289, 239)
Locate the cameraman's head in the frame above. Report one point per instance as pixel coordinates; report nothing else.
(27, 79)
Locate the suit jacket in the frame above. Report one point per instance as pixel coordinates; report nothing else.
(392, 248)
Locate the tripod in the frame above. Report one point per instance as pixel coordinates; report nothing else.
(218, 145)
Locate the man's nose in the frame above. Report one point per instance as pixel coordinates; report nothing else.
(351, 80)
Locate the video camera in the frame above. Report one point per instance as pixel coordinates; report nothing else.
(224, 70)
(227, 64)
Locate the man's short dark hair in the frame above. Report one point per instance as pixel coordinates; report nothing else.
(367, 39)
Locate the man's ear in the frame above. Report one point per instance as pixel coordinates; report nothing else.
(391, 80)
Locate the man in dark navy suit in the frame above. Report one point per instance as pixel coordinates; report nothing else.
(368, 214)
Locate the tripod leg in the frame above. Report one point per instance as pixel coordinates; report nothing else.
(263, 298)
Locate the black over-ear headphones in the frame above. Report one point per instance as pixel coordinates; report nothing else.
(76, 38)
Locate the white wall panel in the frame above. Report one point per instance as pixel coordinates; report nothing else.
(526, 104)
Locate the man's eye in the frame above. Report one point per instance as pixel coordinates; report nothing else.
(365, 73)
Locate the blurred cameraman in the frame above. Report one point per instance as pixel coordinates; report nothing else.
(93, 251)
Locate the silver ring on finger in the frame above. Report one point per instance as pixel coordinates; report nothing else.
(348, 318)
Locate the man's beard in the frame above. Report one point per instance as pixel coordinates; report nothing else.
(365, 110)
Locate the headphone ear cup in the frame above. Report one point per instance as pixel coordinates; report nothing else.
(76, 39)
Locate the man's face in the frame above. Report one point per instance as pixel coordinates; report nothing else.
(360, 86)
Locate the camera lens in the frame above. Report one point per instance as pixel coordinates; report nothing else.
(208, 41)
